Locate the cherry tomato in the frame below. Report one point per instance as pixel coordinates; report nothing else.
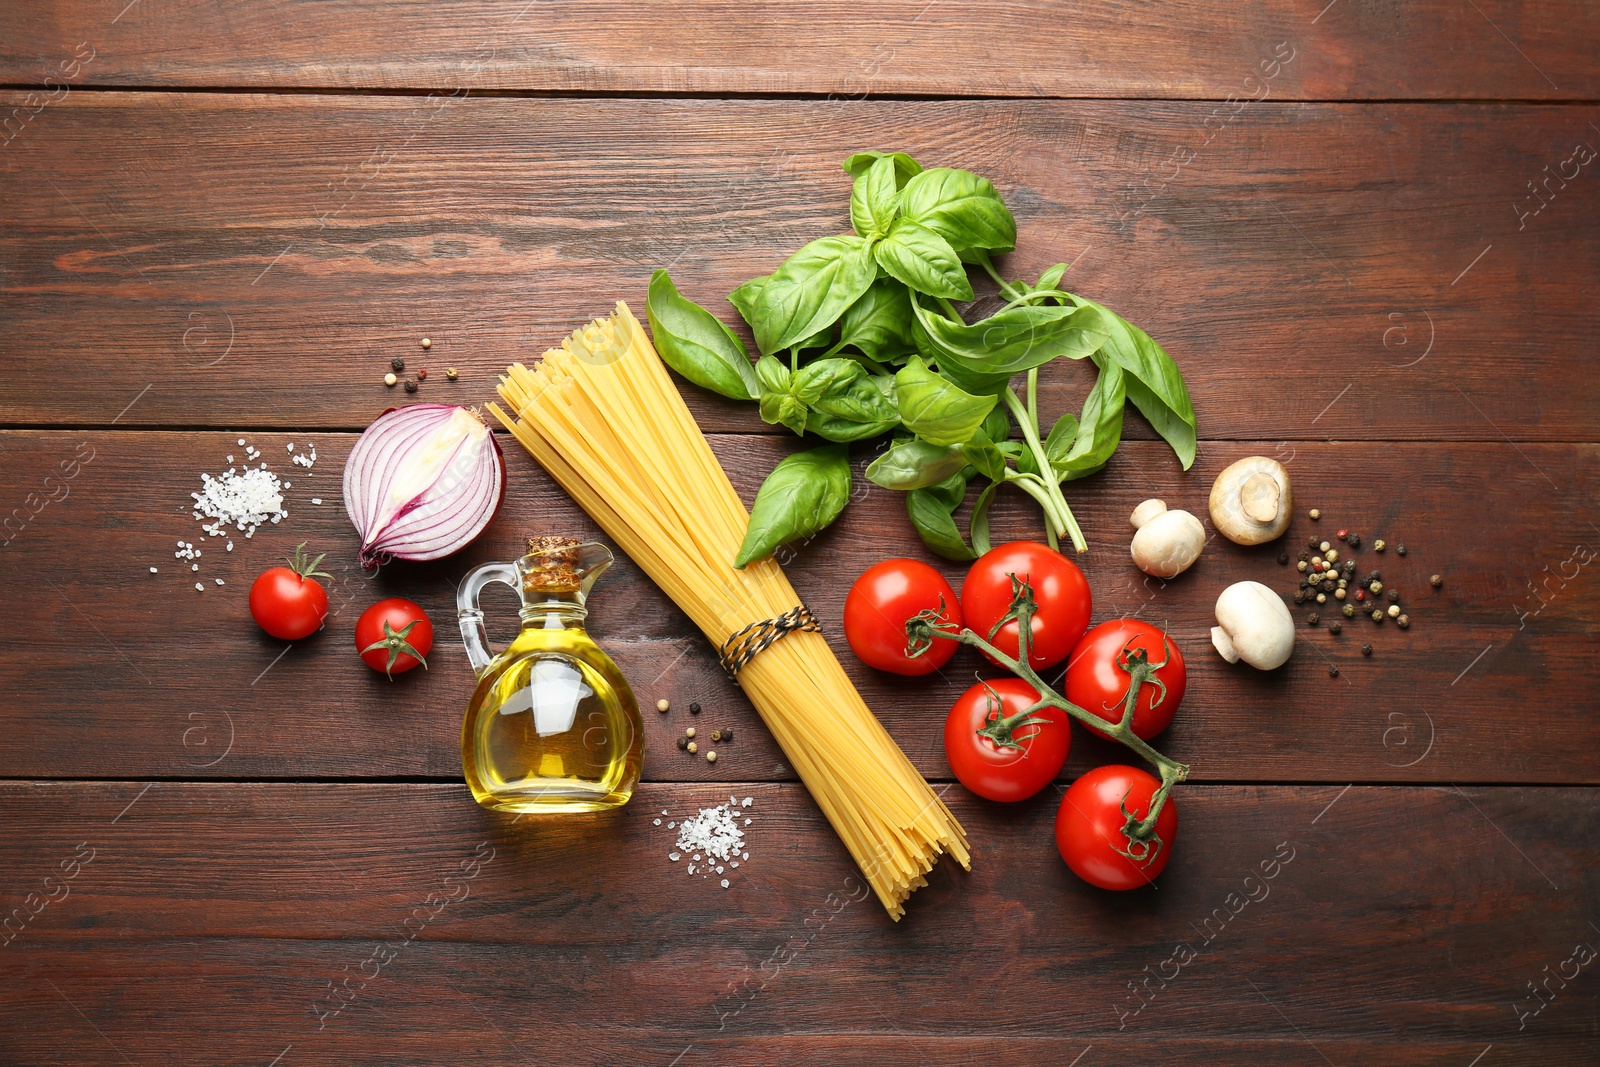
(393, 636)
(288, 602)
(994, 771)
(1097, 682)
(1059, 589)
(1090, 822)
(878, 606)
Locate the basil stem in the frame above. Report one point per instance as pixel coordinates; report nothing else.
(1066, 523)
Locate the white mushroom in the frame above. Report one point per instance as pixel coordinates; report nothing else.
(1254, 625)
(1251, 501)
(1168, 542)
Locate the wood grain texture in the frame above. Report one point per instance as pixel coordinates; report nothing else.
(1319, 271)
(1399, 925)
(115, 671)
(1497, 49)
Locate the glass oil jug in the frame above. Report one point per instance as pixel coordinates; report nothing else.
(553, 725)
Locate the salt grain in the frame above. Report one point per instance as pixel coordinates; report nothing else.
(220, 581)
(152, 570)
(674, 857)
(316, 500)
(724, 881)
(200, 587)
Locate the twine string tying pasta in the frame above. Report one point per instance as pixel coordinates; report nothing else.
(750, 641)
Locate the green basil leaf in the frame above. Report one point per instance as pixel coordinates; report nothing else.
(1012, 340)
(905, 168)
(937, 527)
(1063, 435)
(803, 494)
(879, 324)
(811, 290)
(912, 463)
(961, 207)
(1052, 277)
(696, 343)
(951, 491)
(744, 298)
(1154, 383)
(779, 406)
(875, 199)
(975, 383)
(923, 260)
(935, 409)
(1099, 426)
(980, 518)
(986, 457)
(844, 430)
(997, 424)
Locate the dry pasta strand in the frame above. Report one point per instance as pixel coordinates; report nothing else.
(602, 415)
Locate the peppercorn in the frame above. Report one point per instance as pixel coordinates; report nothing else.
(1394, 595)
(1304, 555)
(1374, 576)
(689, 732)
(426, 343)
(450, 373)
(716, 735)
(1333, 672)
(1283, 558)
(1333, 555)
(1399, 550)
(1377, 615)
(397, 363)
(1404, 622)
(411, 386)
(1436, 581)
(1299, 596)
(1343, 534)
(422, 374)
(1322, 598)
(1343, 583)
(1374, 587)
(683, 742)
(1313, 542)
(1335, 627)
(1339, 593)
(1313, 619)
(1394, 611)
(1361, 594)
(1349, 611)
(390, 380)
(1323, 546)
(1349, 566)
(727, 734)
(693, 747)
(1304, 582)
(1378, 545)
(711, 757)
(1328, 585)
(1354, 540)
(694, 707)
(1366, 650)
(1315, 513)
(1303, 566)
(662, 704)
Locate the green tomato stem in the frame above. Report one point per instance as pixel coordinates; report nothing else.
(923, 628)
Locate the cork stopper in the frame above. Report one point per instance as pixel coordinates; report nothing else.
(554, 566)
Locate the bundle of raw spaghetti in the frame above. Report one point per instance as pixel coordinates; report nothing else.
(603, 417)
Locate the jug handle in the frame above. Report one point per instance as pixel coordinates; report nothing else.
(473, 634)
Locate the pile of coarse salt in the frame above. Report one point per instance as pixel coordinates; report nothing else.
(713, 838)
(243, 500)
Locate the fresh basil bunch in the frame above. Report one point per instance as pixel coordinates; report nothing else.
(858, 337)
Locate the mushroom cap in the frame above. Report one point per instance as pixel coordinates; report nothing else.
(1168, 544)
(1251, 500)
(1147, 511)
(1254, 625)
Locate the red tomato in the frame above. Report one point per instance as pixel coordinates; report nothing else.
(1090, 822)
(393, 636)
(1059, 589)
(878, 606)
(288, 602)
(1097, 682)
(1001, 772)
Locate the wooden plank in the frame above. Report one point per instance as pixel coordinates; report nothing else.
(115, 671)
(1497, 49)
(1398, 926)
(1310, 267)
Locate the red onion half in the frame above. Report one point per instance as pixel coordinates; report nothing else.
(422, 482)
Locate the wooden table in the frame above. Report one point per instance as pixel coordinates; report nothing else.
(1359, 231)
